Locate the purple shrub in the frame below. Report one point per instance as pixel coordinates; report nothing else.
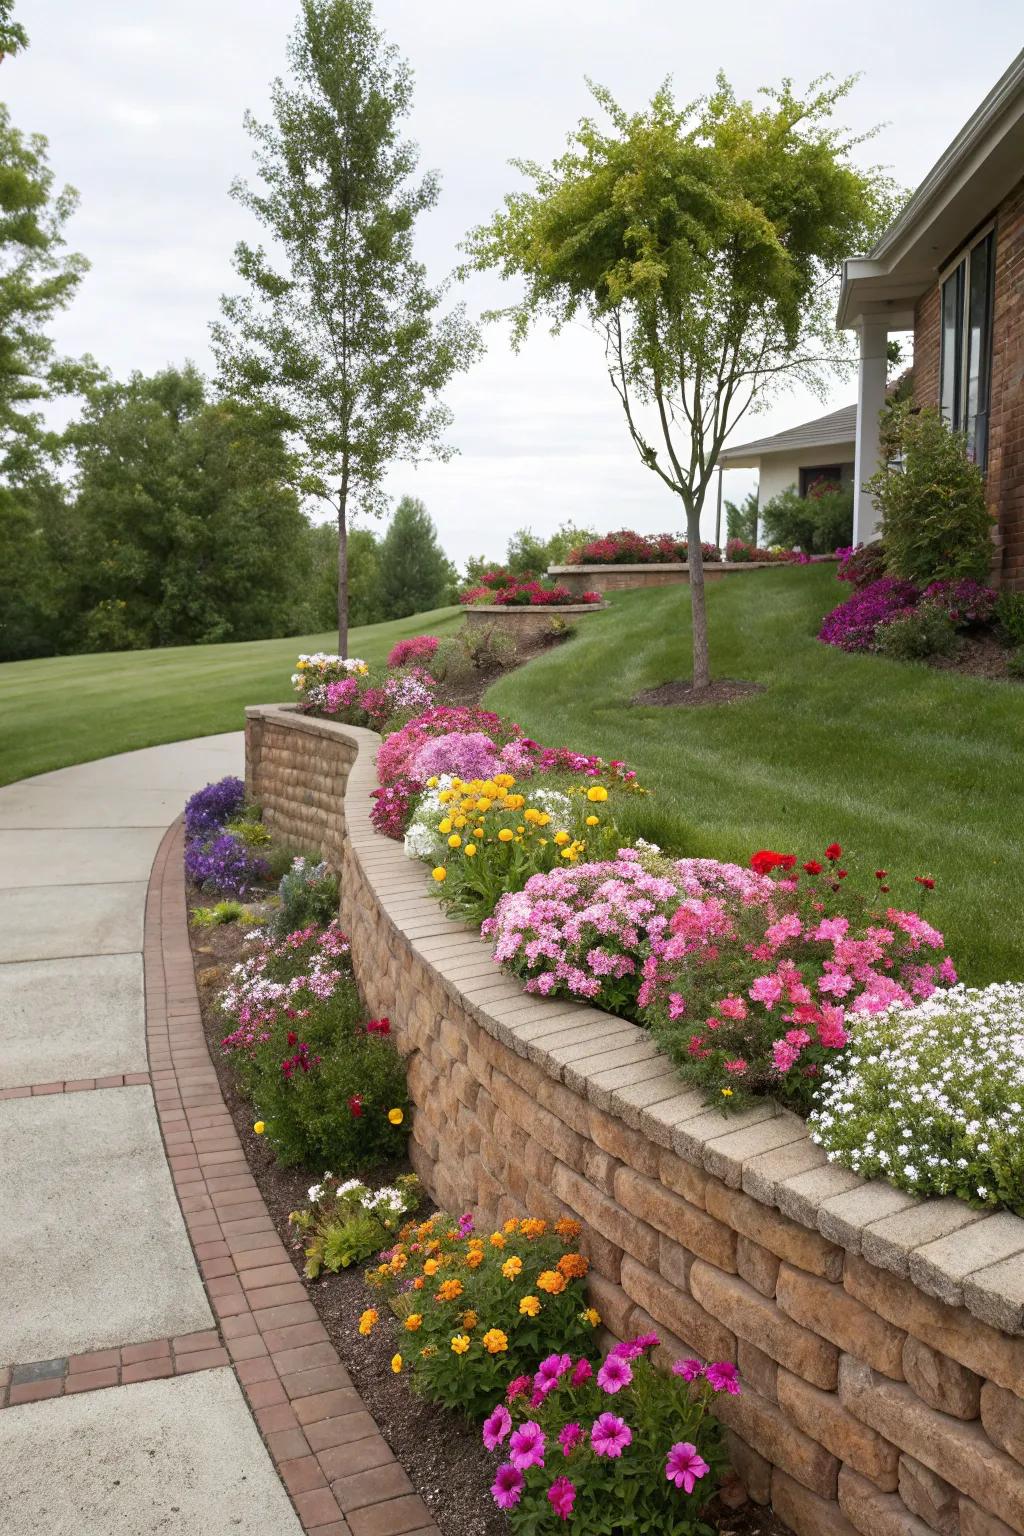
(852, 625)
(224, 864)
(208, 809)
(965, 602)
(470, 754)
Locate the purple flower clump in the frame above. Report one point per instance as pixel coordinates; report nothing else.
(209, 808)
(852, 625)
(223, 864)
(965, 602)
(469, 754)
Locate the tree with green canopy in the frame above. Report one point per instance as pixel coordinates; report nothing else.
(741, 518)
(341, 329)
(703, 243)
(415, 572)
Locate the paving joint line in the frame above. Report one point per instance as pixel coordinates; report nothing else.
(31, 1381)
(78, 1085)
(340, 1473)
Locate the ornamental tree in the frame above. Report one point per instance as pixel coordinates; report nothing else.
(340, 328)
(703, 243)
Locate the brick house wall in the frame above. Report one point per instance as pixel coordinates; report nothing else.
(1005, 474)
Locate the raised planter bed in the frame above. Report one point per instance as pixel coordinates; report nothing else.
(620, 578)
(525, 622)
(881, 1337)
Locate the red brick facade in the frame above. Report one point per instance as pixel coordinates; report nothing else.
(1005, 473)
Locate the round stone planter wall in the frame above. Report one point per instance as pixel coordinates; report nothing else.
(621, 578)
(880, 1338)
(524, 622)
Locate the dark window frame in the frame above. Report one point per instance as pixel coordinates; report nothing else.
(957, 291)
(810, 474)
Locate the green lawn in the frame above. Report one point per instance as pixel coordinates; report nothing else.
(70, 709)
(908, 768)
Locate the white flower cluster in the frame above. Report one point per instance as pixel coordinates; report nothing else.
(422, 839)
(322, 661)
(383, 1203)
(932, 1097)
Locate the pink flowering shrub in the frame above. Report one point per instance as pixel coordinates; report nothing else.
(582, 931)
(752, 984)
(580, 1447)
(467, 754)
(394, 759)
(852, 625)
(420, 648)
(518, 592)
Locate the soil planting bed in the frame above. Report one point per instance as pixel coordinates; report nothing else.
(444, 1458)
(685, 696)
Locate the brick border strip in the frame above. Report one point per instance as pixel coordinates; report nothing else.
(77, 1085)
(339, 1470)
(67, 1374)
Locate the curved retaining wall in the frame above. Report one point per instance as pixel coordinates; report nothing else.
(879, 1337)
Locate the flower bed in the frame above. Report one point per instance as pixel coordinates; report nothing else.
(520, 1103)
(629, 548)
(500, 589)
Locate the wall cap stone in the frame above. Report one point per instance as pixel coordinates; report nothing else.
(963, 1256)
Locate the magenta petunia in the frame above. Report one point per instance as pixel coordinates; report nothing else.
(685, 1466)
(496, 1427)
(507, 1488)
(689, 1370)
(561, 1496)
(614, 1374)
(610, 1435)
(526, 1447)
(552, 1369)
(569, 1437)
(723, 1376)
(518, 1387)
(582, 1372)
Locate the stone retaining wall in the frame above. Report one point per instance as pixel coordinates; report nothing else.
(622, 578)
(879, 1337)
(526, 622)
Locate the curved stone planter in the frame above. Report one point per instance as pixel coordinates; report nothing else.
(523, 622)
(622, 578)
(880, 1337)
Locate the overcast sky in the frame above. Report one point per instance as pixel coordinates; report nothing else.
(142, 101)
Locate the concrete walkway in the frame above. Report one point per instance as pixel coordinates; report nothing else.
(98, 1284)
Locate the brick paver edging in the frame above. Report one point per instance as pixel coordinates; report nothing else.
(67, 1374)
(77, 1085)
(340, 1472)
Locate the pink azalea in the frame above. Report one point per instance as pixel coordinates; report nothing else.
(610, 1435)
(732, 1008)
(736, 1067)
(496, 1427)
(684, 1465)
(507, 1488)
(561, 1496)
(784, 1055)
(766, 990)
(676, 1005)
(526, 1447)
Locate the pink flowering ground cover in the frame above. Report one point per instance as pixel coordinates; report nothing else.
(749, 978)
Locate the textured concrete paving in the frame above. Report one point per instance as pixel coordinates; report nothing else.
(93, 1251)
(180, 1457)
(88, 1014)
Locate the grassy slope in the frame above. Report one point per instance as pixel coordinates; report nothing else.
(71, 709)
(913, 769)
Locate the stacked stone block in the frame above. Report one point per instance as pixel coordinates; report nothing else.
(872, 1406)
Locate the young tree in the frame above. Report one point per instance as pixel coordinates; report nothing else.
(704, 244)
(346, 335)
(415, 572)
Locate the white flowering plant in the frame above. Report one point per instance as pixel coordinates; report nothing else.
(932, 1097)
(346, 1221)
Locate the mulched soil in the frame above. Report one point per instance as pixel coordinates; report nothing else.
(468, 691)
(443, 1457)
(684, 696)
(978, 656)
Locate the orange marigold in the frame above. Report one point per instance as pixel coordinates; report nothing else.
(431, 1267)
(568, 1228)
(533, 1227)
(469, 1320)
(511, 1225)
(552, 1282)
(573, 1266)
(497, 1241)
(449, 1290)
(474, 1259)
(495, 1342)
(512, 1267)
(418, 1283)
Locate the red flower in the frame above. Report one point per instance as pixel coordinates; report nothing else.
(833, 852)
(765, 860)
(841, 874)
(293, 1038)
(355, 1105)
(926, 881)
(880, 874)
(812, 867)
(379, 1027)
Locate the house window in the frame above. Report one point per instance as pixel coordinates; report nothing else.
(967, 345)
(813, 474)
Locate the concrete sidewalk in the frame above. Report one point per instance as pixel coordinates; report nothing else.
(94, 1258)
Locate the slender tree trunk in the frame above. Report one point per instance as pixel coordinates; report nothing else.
(342, 575)
(695, 560)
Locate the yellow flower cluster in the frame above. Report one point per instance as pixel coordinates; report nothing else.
(470, 802)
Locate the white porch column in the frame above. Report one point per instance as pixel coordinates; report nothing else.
(874, 335)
